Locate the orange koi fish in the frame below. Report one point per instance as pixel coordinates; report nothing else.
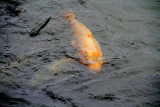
(88, 48)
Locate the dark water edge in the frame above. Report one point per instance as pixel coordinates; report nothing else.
(127, 80)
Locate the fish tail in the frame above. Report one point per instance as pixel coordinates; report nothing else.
(69, 15)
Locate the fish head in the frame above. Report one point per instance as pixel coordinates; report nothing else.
(95, 66)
